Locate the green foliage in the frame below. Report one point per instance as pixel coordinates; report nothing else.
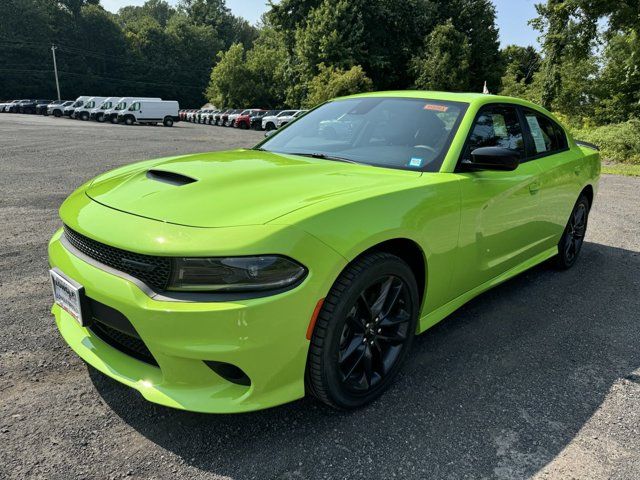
(333, 34)
(618, 85)
(619, 142)
(149, 50)
(520, 63)
(444, 62)
(332, 82)
(230, 83)
(319, 39)
(476, 19)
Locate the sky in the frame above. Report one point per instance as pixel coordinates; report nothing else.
(512, 16)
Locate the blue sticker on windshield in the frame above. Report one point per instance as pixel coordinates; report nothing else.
(415, 162)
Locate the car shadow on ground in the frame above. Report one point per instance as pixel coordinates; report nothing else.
(498, 389)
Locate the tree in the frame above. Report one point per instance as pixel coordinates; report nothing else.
(268, 62)
(444, 61)
(333, 35)
(230, 84)
(553, 22)
(476, 19)
(332, 82)
(521, 64)
(618, 86)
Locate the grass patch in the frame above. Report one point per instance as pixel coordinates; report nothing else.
(621, 169)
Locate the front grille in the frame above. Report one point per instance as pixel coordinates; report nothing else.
(132, 346)
(152, 270)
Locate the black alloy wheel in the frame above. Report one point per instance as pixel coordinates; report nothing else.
(363, 332)
(573, 237)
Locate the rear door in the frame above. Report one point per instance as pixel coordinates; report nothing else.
(561, 171)
(500, 210)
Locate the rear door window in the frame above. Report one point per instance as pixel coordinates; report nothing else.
(546, 136)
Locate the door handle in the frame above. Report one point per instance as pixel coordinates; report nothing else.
(534, 187)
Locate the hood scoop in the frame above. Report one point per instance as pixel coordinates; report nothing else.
(171, 178)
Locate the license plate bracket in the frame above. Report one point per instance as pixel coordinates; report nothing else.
(70, 296)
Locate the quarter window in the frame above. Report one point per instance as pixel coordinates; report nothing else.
(496, 126)
(546, 135)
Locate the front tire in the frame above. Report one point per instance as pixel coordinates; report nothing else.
(363, 332)
(128, 120)
(571, 241)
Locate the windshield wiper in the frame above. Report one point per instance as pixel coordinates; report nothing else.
(324, 156)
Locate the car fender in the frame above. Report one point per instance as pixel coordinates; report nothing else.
(426, 213)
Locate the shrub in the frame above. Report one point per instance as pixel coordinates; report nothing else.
(618, 142)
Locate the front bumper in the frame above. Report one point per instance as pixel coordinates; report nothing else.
(264, 337)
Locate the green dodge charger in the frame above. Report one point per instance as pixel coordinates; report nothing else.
(240, 280)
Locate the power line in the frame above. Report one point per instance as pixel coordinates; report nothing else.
(48, 72)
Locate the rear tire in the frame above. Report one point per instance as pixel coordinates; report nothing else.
(571, 241)
(363, 332)
(168, 122)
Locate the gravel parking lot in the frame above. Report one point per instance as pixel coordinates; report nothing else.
(539, 377)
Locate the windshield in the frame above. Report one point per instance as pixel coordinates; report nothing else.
(402, 133)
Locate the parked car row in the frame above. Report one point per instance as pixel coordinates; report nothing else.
(254, 118)
(127, 110)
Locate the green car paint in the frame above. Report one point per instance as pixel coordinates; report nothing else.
(474, 230)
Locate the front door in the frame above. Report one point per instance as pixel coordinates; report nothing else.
(499, 222)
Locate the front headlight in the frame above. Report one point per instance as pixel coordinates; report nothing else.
(235, 274)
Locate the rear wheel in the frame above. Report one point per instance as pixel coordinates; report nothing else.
(168, 122)
(571, 241)
(363, 332)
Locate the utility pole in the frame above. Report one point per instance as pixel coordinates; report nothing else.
(55, 69)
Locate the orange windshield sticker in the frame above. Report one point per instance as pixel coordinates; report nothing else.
(436, 108)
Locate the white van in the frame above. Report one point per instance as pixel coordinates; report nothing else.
(97, 113)
(150, 112)
(121, 105)
(68, 111)
(83, 112)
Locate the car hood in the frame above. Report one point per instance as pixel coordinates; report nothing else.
(240, 187)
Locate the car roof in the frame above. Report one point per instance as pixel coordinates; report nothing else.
(475, 99)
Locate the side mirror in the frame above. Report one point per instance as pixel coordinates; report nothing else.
(492, 158)
(268, 133)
